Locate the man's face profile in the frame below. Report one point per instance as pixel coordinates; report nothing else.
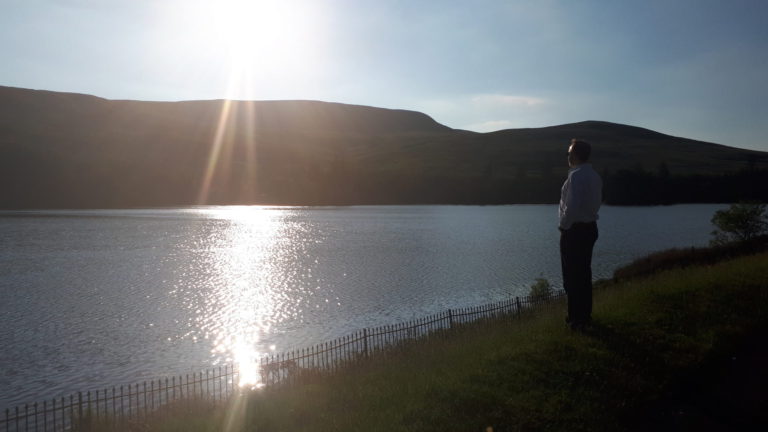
(572, 161)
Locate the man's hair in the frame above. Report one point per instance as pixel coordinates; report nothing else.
(581, 149)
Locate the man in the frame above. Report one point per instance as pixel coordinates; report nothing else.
(580, 200)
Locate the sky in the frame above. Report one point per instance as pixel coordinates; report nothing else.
(691, 68)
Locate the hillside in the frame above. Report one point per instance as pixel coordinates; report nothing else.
(71, 150)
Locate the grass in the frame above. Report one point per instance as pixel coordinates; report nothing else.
(527, 374)
(680, 258)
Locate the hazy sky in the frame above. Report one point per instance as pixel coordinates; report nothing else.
(693, 68)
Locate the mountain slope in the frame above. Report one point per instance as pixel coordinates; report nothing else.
(72, 150)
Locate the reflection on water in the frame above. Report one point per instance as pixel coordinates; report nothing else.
(241, 307)
(107, 297)
(257, 264)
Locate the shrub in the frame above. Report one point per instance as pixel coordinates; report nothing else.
(541, 289)
(740, 222)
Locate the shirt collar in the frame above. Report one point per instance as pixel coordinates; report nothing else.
(578, 167)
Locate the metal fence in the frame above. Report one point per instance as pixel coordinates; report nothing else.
(124, 402)
(294, 366)
(137, 400)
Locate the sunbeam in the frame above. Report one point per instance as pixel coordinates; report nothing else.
(251, 143)
(215, 153)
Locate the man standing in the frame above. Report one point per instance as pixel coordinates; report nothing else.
(580, 200)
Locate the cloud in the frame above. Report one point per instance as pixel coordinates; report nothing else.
(487, 112)
(490, 126)
(504, 100)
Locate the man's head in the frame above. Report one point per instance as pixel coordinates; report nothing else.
(578, 152)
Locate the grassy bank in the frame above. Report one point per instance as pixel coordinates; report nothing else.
(528, 374)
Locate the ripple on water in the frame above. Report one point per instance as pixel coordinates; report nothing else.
(93, 299)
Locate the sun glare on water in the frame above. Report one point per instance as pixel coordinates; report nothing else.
(241, 306)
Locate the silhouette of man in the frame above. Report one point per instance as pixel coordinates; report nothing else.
(580, 200)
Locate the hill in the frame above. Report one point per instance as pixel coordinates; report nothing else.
(72, 150)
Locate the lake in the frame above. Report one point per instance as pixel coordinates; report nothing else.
(96, 298)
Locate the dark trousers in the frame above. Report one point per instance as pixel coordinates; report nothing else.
(576, 244)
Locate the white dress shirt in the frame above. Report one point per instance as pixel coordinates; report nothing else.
(581, 196)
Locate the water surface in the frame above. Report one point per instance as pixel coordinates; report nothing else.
(96, 298)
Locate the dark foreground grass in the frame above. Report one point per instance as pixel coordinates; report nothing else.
(528, 374)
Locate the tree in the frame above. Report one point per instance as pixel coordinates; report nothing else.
(740, 222)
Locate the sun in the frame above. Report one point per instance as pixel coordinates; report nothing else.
(252, 30)
(258, 49)
(263, 36)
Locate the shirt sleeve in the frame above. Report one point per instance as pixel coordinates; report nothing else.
(566, 204)
(576, 198)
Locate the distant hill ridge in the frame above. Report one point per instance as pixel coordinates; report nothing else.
(75, 150)
(296, 115)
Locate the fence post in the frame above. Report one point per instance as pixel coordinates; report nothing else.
(450, 318)
(519, 311)
(207, 385)
(223, 389)
(130, 401)
(80, 405)
(145, 398)
(215, 396)
(71, 409)
(365, 341)
(138, 399)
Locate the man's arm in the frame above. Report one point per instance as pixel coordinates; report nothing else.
(565, 205)
(575, 200)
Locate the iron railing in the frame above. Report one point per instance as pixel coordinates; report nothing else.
(137, 400)
(123, 402)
